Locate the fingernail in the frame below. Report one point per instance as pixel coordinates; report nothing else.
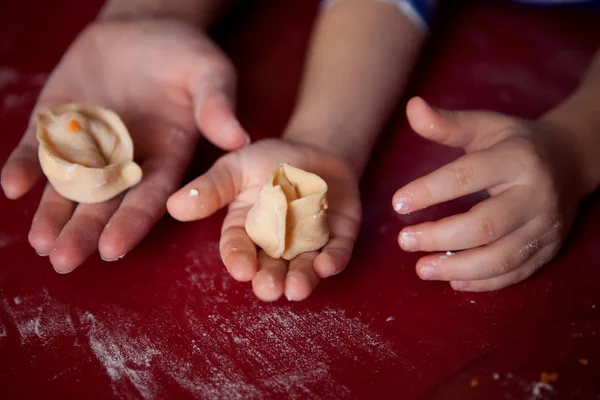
(460, 285)
(112, 259)
(402, 204)
(428, 273)
(42, 254)
(408, 241)
(63, 272)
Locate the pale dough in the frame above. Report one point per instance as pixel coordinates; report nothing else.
(86, 152)
(289, 217)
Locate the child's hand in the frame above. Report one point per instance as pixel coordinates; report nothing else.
(167, 80)
(236, 180)
(532, 178)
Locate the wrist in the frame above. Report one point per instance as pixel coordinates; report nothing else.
(576, 130)
(330, 139)
(195, 12)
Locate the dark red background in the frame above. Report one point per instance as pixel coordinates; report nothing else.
(167, 321)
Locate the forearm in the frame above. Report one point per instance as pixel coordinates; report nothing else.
(359, 61)
(198, 12)
(579, 115)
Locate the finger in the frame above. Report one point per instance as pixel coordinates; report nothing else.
(208, 193)
(268, 283)
(472, 130)
(22, 168)
(301, 278)
(238, 251)
(482, 224)
(79, 238)
(541, 258)
(142, 206)
(469, 174)
(215, 116)
(51, 216)
(344, 225)
(498, 258)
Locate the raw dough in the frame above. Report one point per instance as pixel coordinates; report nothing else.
(86, 152)
(289, 217)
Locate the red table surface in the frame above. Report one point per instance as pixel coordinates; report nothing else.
(168, 322)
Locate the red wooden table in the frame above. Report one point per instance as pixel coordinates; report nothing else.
(167, 321)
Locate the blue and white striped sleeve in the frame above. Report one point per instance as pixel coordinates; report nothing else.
(419, 11)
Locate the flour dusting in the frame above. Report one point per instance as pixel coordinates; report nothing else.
(125, 360)
(39, 317)
(293, 352)
(3, 332)
(203, 344)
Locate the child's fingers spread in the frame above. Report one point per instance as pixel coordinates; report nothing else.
(484, 223)
(495, 259)
(238, 252)
(216, 119)
(22, 169)
(268, 283)
(542, 257)
(142, 206)
(79, 238)
(51, 216)
(208, 193)
(469, 174)
(301, 277)
(472, 130)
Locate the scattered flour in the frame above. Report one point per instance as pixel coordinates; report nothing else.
(3, 332)
(253, 352)
(206, 346)
(538, 388)
(532, 390)
(125, 360)
(39, 317)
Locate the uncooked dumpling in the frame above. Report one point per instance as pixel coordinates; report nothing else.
(289, 217)
(86, 152)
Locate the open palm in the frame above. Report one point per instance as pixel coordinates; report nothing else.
(167, 81)
(236, 180)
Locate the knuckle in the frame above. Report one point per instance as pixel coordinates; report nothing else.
(463, 177)
(504, 263)
(486, 229)
(528, 157)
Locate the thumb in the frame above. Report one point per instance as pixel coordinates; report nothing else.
(208, 193)
(214, 99)
(471, 130)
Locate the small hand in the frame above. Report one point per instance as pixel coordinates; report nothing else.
(532, 180)
(236, 180)
(167, 80)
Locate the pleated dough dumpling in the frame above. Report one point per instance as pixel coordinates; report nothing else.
(86, 152)
(289, 217)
